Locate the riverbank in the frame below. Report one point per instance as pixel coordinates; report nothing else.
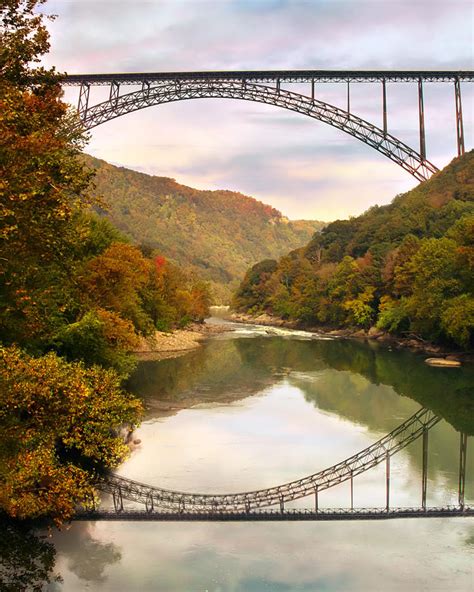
(171, 344)
(373, 334)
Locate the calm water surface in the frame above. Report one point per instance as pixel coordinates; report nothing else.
(258, 407)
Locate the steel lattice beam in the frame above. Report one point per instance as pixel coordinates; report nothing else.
(167, 92)
(265, 76)
(287, 515)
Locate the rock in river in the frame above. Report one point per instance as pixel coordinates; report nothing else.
(443, 362)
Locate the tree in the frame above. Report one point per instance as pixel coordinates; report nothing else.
(362, 312)
(457, 320)
(26, 561)
(99, 337)
(114, 280)
(59, 423)
(43, 180)
(414, 270)
(251, 293)
(435, 279)
(59, 420)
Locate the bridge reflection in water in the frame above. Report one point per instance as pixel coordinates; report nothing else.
(259, 505)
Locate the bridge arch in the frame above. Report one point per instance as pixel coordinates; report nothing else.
(172, 91)
(245, 502)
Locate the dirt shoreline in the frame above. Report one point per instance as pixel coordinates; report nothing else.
(373, 334)
(172, 344)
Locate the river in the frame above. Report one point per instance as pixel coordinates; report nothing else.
(257, 407)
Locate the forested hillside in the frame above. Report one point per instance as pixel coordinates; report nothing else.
(407, 267)
(216, 234)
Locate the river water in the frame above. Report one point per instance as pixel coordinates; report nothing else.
(258, 407)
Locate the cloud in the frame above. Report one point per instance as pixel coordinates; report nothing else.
(260, 34)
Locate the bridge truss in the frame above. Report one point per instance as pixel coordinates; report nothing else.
(159, 503)
(265, 87)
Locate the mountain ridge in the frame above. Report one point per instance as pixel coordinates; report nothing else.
(215, 234)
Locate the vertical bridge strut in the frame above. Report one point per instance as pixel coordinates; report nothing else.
(424, 476)
(114, 91)
(387, 483)
(462, 469)
(459, 121)
(384, 105)
(421, 112)
(83, 103)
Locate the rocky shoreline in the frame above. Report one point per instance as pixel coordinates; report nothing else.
(171, 344)
(439, 355)
(164, 345)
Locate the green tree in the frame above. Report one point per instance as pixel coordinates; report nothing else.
(251, 294)
(436, 280)
(457, 319)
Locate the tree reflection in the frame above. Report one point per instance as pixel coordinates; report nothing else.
(86, 556)
(26, 560)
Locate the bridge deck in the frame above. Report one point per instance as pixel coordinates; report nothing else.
(134, 78)
(277, 516)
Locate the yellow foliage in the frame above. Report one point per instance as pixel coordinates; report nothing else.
(59, 423)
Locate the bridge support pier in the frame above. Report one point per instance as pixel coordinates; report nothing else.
(424, 479)
(387, 483)
(462, 469)
(316, 500)
(312, 89)
(384, 106)
(348, 99)
(421, 112)
(352, 490)
(459, 121)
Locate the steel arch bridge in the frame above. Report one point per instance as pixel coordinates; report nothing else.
(164, 504)
(265, 87)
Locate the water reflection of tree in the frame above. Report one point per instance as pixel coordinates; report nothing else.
(212, 374)
(86, 556)
(448, 392)
(226, 370)
(26, 561)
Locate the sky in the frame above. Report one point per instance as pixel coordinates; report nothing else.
(305, 168)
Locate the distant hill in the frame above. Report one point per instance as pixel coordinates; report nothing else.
(216, 234)
(428, 210)
(407, 267)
